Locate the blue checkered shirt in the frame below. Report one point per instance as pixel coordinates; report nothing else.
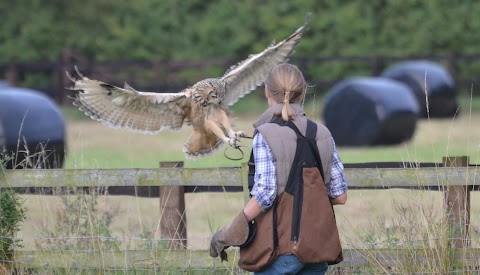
(265, 188)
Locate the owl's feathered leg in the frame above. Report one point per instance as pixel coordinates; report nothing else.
(220, 125)
(201, 144)
(213, 126)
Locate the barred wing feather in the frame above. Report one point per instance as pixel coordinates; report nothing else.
(247, 75)
(143, 112)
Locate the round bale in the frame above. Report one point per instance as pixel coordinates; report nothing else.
(32, 129)
(370, 111)
(428, 81)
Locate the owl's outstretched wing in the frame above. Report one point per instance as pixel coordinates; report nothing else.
(247, 75)
(142, 112)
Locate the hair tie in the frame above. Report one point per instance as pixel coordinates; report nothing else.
(287, 97)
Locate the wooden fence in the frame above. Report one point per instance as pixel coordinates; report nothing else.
(168, 73)
(454, 176)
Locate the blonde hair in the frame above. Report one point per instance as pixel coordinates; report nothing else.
(286, 84)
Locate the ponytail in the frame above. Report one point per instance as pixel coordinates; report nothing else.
(287, 112)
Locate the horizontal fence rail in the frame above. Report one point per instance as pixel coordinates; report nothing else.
(235, 176)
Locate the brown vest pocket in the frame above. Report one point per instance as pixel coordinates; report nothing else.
(318, 240)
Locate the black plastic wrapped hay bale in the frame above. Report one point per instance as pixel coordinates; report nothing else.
(32, 129)
(370, 111)
(439, 84)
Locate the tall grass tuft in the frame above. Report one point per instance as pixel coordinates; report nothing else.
(79, 225)
(417, 240)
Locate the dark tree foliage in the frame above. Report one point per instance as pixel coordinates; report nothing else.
(35, 30)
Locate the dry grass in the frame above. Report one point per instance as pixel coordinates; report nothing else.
(137, 215)
(365, 208)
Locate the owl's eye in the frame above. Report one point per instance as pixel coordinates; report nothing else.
(213, 95)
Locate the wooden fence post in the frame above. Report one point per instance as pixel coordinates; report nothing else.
(12, 74)
(173, 220)
(60, 79)
(376, 65)
(246, 192)
(457, 205)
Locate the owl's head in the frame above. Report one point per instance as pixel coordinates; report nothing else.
(208, 91)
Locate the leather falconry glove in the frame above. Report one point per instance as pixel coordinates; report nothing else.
(238, 233)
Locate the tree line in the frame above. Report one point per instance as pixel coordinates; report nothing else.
(172, 30)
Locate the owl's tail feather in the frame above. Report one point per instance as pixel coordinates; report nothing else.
(201, 144)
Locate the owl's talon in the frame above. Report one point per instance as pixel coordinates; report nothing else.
(240, 134)
(233, 142)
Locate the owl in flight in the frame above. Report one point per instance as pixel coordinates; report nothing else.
(203, 105)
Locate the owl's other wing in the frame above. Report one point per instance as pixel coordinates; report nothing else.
(247, 75)
(142, 112)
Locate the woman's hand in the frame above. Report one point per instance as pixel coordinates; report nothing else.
(340, 199)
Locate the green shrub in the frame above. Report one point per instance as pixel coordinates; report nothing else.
(11, 215)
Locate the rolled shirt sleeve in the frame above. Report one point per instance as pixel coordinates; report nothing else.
(338, 185)
(265, 180)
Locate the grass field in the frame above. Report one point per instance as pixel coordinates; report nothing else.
(92, 145)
